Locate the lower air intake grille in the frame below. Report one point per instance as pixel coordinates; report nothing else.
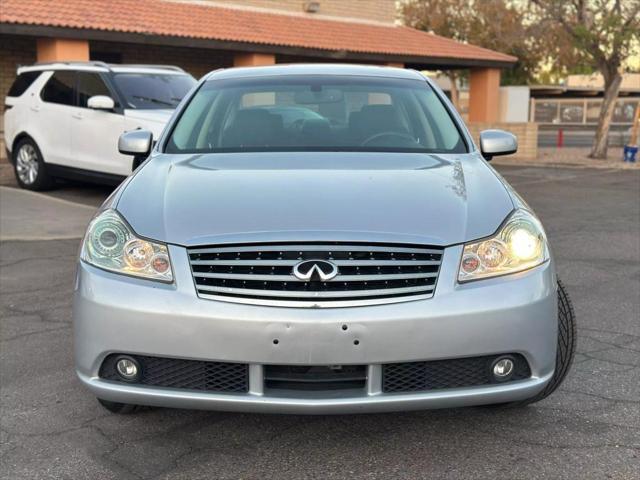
(441, 374)
(315, 378)
(184, 374)
(265, 274)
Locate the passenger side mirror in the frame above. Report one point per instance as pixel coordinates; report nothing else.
(101, 102)
(497, 142)
(135, 142)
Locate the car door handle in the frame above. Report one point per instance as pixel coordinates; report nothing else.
(35, 108)
(77, 115)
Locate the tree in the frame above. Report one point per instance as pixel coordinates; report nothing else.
(494, 24)
(605, 31)
(443, 17)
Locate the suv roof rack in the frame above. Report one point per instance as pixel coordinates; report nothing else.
(92, 63)
(109, 66)
(146, 65)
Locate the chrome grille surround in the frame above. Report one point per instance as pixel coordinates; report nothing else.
(262, 274)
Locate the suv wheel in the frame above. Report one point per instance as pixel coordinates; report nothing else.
(122, 408)
(567, 338)
(30, 169)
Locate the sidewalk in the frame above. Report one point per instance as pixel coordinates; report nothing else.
(27, 215)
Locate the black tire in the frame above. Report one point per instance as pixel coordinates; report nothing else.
(120, 408)
(29, 167)
(565, 352)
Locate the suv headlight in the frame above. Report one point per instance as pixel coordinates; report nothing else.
(111, 244)
(520, 244)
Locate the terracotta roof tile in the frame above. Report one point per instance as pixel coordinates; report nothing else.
(198, 21)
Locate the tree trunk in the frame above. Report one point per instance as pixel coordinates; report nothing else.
(611, 88)
(455, 94)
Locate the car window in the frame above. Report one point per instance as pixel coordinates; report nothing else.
(89, 85)
(60, 88)
(316, 113)
(153, 91)
(22, 83)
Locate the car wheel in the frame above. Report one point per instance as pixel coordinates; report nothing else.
(121, 408)
(565, 351)
(30, 169)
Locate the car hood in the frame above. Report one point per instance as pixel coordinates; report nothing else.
(328, 196)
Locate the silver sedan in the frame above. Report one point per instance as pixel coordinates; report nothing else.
(360, 255)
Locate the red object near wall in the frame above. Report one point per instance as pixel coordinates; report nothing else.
(560, 139)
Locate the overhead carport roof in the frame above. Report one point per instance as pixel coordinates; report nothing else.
(199, 25)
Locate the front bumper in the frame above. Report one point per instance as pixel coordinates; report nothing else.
(118, 314)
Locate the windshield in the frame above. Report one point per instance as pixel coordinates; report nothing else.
(315, 113)
(153, 90)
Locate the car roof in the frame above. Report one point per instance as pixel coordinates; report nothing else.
(102, 67)
(316, 69)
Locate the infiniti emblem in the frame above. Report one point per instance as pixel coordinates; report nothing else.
(315, 270)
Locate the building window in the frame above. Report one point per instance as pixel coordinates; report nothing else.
(593, 111)
(624, 111)
(571, 112)
(546, 112)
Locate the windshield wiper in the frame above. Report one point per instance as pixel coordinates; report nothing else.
(153, 100)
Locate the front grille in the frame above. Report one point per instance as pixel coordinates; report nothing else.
(315, 378)
(439, 374)
(184, 374)
(367, 273)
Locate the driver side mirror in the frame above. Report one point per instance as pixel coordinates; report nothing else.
(497, 142)
(135, 142)
(101, 102)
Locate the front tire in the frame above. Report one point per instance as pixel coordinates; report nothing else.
(567, 339)
(565, 352)
(120, 408)
(29, 167)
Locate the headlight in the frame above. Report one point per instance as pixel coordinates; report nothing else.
(520, 244)
(111, 244)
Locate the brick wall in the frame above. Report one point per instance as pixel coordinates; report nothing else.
(196, 61)
(527, 134)
(15, 51)
(377, 10)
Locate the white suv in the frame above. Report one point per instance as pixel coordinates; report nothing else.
(64, 119)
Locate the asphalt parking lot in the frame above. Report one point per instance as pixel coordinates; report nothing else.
(52, 428)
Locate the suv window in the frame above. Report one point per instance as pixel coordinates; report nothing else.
(153, 90)
(89, 85)
(22, 82)
(59, 88)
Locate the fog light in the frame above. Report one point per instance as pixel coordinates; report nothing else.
(502, 368)
(128, 368)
